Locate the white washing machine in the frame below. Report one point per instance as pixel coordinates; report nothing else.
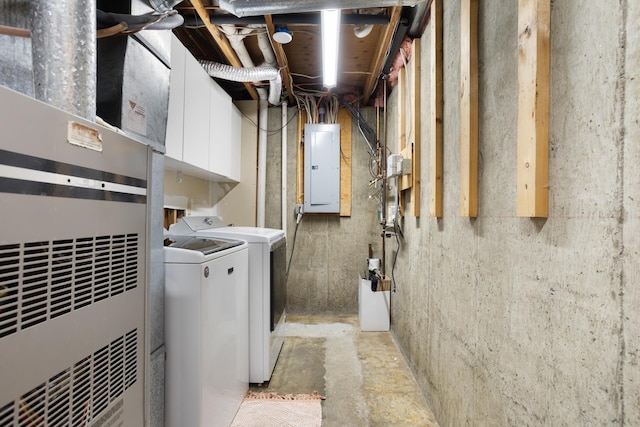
(206, 330)
(267, 286)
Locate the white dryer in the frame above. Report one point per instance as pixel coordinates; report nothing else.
(267, 286)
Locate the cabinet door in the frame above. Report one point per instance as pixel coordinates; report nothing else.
(235, 144)
(219, 131)
(196, 114)
(175, 119)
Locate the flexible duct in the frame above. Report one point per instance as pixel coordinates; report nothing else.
(227, 72)
(265, 7)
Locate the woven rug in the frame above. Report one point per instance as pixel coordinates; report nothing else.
(274, 410)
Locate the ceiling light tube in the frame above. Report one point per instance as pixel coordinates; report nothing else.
(330, 44)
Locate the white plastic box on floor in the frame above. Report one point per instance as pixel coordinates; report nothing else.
(373, 307)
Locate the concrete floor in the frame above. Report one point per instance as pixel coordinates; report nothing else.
(363, 375)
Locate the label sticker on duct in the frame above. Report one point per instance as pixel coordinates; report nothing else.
(84, 136)
(137, 118)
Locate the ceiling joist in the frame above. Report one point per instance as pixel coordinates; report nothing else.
(381, 54)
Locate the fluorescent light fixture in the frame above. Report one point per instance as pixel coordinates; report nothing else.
(330, 44)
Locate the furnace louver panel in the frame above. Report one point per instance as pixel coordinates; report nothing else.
(58, 392)
(31, 407)
(9, 283)
(131, 269)
(102, 263)
(84, 272)
(101, 379)
(45, 280)
(35, 278)
(6, 414)
(116, 376)
(130, 367)
(61, 277)
(79, 394)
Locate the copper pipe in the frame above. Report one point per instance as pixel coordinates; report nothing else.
(14, 31)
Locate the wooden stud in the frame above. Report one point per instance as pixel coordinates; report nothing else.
(222, 41)
(300, 161)
(469, 108)
(533, 107)
(414, 136)
(344, 120)
(404, 181)
(436, 157)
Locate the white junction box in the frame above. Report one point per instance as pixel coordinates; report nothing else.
(322, 168)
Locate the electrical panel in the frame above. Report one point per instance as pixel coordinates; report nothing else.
(322, 168)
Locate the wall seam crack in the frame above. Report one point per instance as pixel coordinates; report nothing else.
(620, 95)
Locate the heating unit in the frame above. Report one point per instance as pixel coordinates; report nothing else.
(73, 269)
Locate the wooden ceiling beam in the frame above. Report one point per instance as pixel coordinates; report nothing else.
(222, 41)
(283, 63)
(382, 52)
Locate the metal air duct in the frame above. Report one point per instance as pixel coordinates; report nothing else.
(263, 7)
(57, 64)
(63, 37)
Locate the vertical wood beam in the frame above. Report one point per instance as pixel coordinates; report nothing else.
(300, 161)
(404, 181)
(533, 107)
(344, 120)
(436, 149)
(469, 108)
(414, 138)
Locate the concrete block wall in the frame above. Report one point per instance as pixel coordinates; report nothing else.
(330, 250)
(517, 321)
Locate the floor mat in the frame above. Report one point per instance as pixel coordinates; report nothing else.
(274, 410)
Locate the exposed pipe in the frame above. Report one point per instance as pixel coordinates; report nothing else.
(236, 37)
(273, 7)
(263, 118)
(290, 19)
(284, 165)
(265, 47)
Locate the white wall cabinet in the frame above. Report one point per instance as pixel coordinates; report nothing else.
(235, 144)
(219, 137)
(204, 127)
(196, 114)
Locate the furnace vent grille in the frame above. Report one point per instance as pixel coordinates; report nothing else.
(80, 393)
(44, 280)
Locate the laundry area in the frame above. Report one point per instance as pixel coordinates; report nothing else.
(229, 213)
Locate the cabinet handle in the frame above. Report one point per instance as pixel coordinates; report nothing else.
(230, 271)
